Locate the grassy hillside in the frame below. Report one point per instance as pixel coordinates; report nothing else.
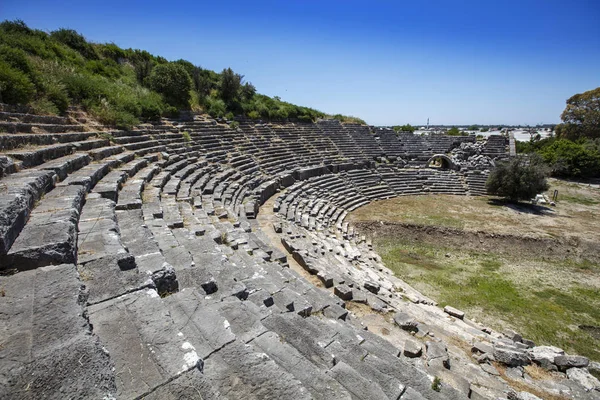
(122, 87)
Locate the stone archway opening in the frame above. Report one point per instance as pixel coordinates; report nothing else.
(440, 161)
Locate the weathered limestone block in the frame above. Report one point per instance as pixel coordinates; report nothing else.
(544, 356)
(511, 358)
(343, 292)
(454, 312)
(372, 287)
(412, 348)
(564, 362)
(584, 378)
(47, 349)
(406, 321)
(437, 354)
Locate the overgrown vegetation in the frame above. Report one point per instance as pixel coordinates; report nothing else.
(122, 87)
(575, 150)
(519, 178)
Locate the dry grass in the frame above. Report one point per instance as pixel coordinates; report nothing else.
(524, 387)
(577, 211)
(538, 373)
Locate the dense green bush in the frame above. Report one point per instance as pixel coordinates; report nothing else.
(572, 159)
(75, 41)
(173, 82)
(521, 178)
(15, 86)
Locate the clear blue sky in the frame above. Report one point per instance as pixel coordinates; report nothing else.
(388, 62)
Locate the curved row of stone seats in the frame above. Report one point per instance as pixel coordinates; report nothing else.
(74, 167)
(388, 140)
(496, 146)
(342, 140)
(476, 181)
(269, 318)
(365, 140)
(189, 301)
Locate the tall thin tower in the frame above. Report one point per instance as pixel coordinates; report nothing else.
(427, 123)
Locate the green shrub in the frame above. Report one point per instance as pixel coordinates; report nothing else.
(171, 112)
(15, 86)
(151, 109)
(436, 384)
(75, 41)
(173, 82)
(16, 58)
(186, 136)
(572, 159)
(56, 93)
(234, 125)
(454, 131)
(117, 118)
(215, 107)
(44, 106)
(253, 114)
(84, 87)
(521, 178)
(106, 67)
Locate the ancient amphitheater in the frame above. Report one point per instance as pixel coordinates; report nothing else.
(133, 266)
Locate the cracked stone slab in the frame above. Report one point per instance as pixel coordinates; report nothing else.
(319, 382)
(244, 371)
(47, 347)
(146, 345)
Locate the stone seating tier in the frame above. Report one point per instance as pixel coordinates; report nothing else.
(151, 238)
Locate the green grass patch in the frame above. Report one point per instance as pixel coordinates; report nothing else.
(482, 281)
(577, 199)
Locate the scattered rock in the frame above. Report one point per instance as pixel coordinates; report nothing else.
(490, 369)
(412, 348)
(511, 358)
(343, 292)
(406, 322)
(481, 347)
(372, 287)
(527, 396)
(565, 362)
(544, 356)
(454, 312)
(514, 336)
(437, 354)
(584, 378)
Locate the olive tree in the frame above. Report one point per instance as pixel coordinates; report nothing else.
(520, 178)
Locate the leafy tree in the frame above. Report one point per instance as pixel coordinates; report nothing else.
(520, 178)
(230, 85)
(454, 131)
(473, 128)
(173, 82)
(404, 128)
(248, 90)
(581, 116)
